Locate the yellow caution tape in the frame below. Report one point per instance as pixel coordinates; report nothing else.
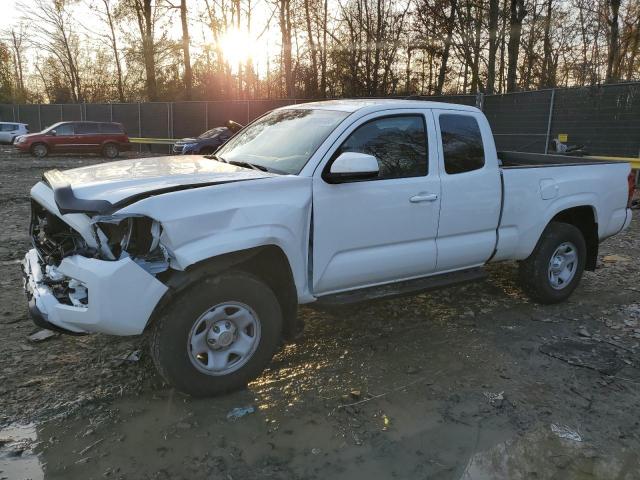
(635, 162)
(155, 141)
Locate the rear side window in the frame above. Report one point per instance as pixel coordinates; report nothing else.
(461, 143)
(64, 129)
(7, 127)
(399, 143)
(86, 128)
(110, 128)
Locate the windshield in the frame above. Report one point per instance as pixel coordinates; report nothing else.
(51, 127)
(283, 140)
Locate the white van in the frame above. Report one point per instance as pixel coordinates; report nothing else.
(9, 131)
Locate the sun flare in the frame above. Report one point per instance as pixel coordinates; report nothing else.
(237, 46)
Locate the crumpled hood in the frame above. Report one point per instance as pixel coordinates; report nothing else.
(116, 182)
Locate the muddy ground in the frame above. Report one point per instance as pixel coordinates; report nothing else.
(472, 382)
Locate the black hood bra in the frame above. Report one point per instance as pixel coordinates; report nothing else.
(67, 202)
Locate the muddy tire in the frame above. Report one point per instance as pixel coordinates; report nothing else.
(554, 269)
(110, 151)
(39, 150)
(217, 335)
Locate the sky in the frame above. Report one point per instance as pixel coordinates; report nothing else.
(8, 13)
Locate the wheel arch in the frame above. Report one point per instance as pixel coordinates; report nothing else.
(39, 142)
(267, 262)
(104, 144)
(584, 218)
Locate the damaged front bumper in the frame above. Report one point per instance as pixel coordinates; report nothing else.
(121, 295)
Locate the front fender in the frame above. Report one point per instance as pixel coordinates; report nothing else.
(204, 223)
(202, 249)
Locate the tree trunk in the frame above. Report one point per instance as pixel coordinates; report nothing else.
(144, 14)
(447, 47)
(285, 32)
(16, 46)
(503, 35)
(116, 51)
(635, 43)
(614, 33)
(312, 52)
(494, 13)
(188, 75)
(517, 14)
(547, 79)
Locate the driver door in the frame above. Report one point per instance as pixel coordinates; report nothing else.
(63, 139)
(379, 230)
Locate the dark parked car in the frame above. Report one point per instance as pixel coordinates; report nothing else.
(208, 142)
(107, 138)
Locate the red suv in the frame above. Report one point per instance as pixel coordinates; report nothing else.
(107, 138)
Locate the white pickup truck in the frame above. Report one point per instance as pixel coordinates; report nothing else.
(327, 203)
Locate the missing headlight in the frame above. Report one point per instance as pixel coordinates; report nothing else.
(134, 236)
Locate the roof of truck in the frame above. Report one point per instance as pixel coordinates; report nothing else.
(375, 104)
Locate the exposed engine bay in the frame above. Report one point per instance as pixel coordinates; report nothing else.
(115, 237)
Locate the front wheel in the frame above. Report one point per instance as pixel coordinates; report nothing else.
(39, 150)
(217, 335)
(554, 268)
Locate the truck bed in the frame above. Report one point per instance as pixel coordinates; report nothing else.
(531, 160)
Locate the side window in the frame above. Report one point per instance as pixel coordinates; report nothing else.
(461, 143)
(64, 129)
(86, 128)
(399, 143)
(110, 128)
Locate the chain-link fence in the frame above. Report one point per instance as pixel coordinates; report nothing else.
(605, 119)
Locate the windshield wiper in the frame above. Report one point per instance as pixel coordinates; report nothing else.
(254, 166)
(238, 163)
(213, 156)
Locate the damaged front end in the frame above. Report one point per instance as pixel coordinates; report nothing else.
(132, 236)
(93, 274)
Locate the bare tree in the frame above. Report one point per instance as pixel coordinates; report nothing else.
(16, 41)
(104, 10)
(614, 46)
(186, 41)
(285, 23)
(53, 32)
(517, 14)
(144, 12)
(494, 16)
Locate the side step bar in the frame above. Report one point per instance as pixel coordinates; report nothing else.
(406, 287)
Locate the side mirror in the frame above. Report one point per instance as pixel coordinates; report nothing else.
(350, 166)
(234, 126)
(53, 132)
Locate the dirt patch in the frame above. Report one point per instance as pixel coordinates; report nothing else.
(451, 384)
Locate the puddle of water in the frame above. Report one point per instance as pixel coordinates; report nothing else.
(17, 459)
(542, 454)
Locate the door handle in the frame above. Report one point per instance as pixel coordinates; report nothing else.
(424, 197)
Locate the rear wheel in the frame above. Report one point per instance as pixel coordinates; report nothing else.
(553, 270)
(110, 150)
(39, 150)
(218, 335)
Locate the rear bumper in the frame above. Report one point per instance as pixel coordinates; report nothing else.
(121, 296)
